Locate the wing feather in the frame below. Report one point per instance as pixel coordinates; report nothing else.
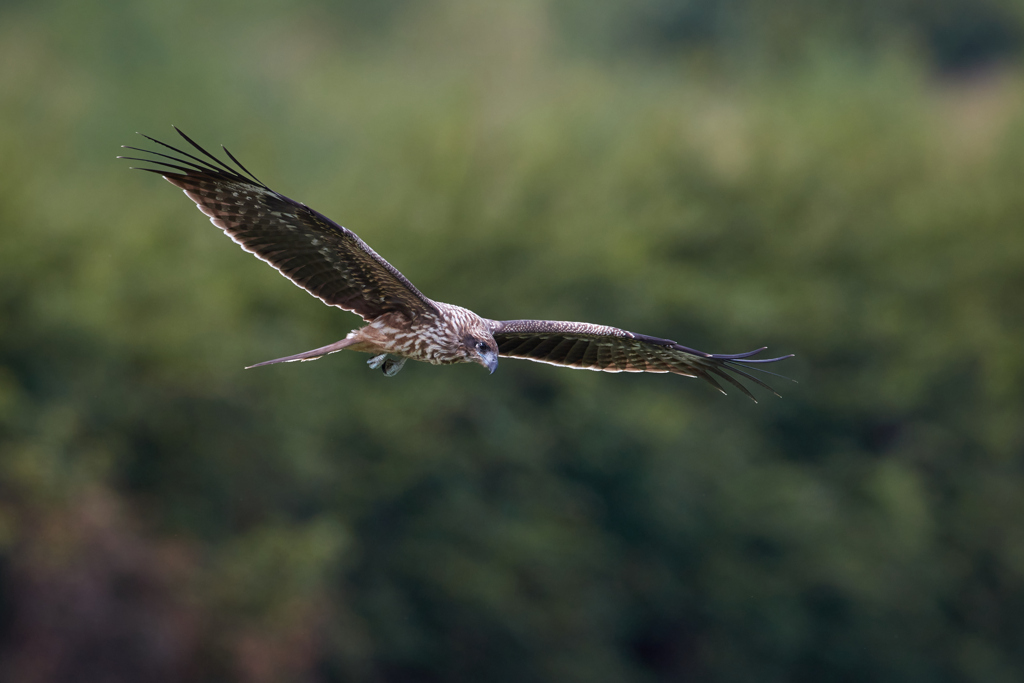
(609, 349)
(324, 258)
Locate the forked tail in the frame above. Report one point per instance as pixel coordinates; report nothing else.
(309, 355)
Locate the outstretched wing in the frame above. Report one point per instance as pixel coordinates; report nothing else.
(314, 252)
(609, 349)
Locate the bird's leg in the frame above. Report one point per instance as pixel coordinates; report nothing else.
(391, 364)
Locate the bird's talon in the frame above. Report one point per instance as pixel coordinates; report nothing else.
(393, 365)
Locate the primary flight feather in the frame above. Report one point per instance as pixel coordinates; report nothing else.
(334, 265)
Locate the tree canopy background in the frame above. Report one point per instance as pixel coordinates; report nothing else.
(840, 180)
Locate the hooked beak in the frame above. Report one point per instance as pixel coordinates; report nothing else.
(490, 360)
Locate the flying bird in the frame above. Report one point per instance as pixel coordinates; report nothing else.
(333, 264)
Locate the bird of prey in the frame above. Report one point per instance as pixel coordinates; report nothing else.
(333, 264)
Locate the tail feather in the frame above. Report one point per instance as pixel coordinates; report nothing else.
(309, 355)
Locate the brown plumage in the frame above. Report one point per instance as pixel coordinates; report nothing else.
(333, 264)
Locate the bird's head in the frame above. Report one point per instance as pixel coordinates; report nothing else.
(482, 349)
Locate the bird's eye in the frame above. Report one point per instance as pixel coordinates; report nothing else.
(481, 346)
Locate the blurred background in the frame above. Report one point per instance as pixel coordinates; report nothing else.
(841, 180)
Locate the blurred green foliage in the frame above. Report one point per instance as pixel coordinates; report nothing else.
(953, 35)
(167, 516)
